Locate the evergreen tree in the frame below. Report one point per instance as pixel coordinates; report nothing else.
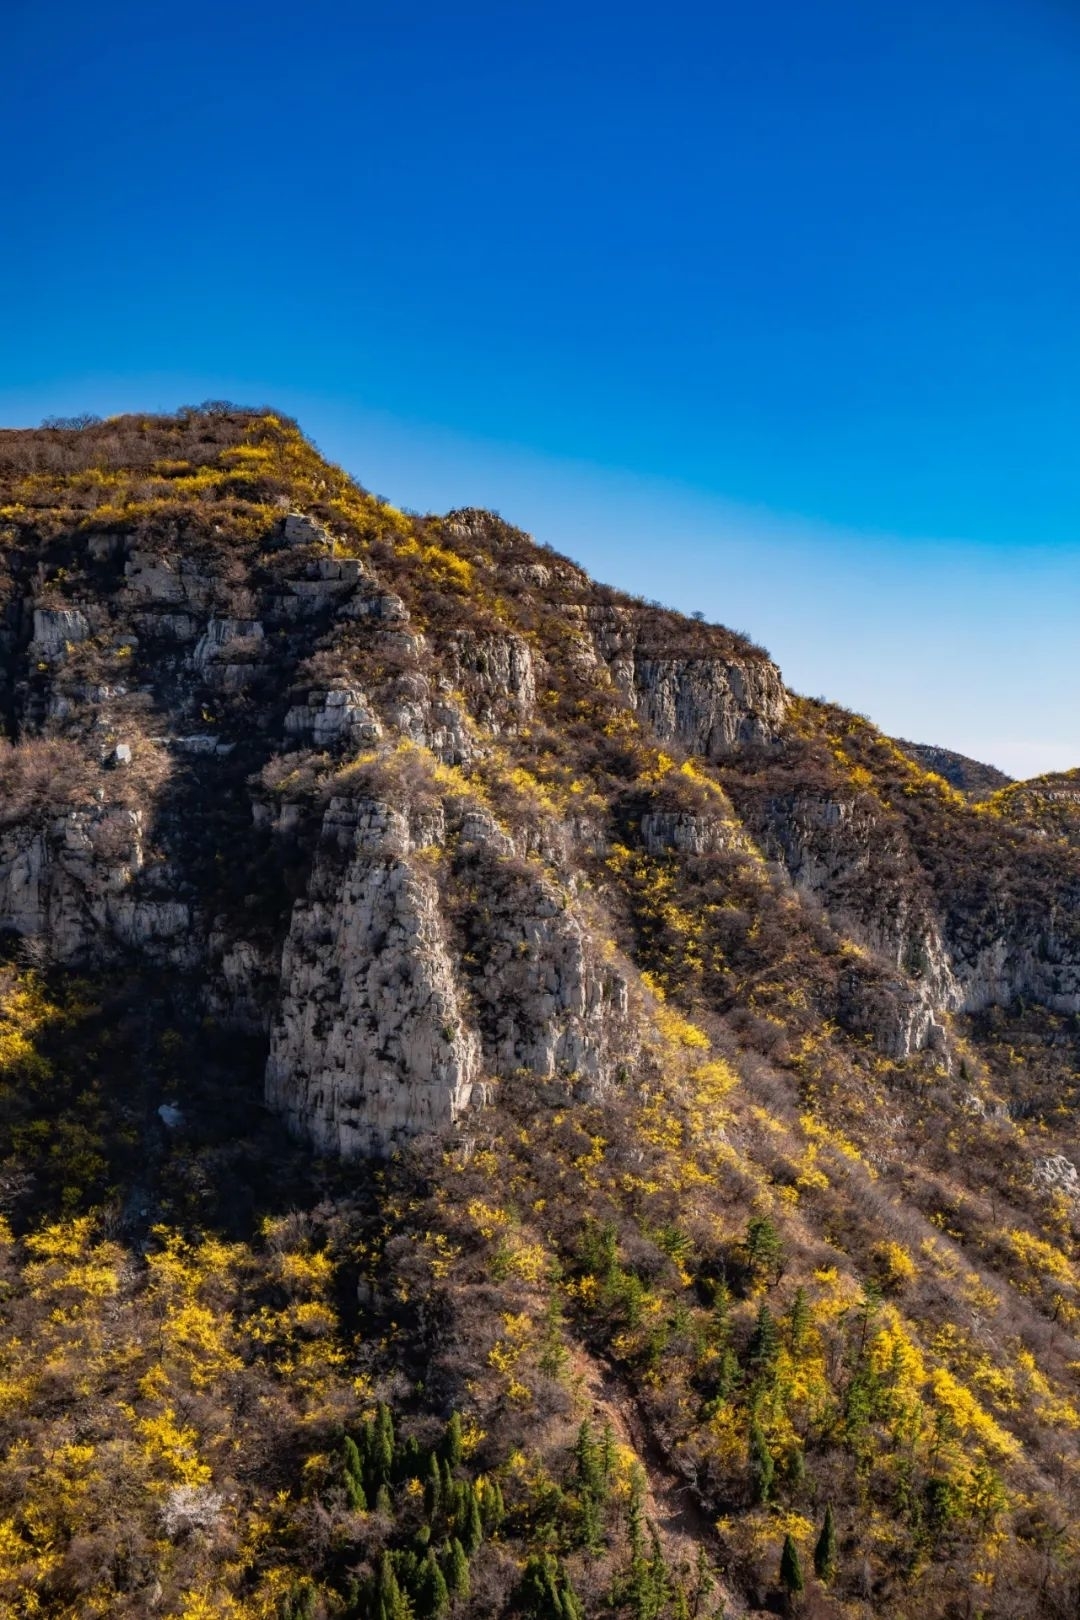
(382, 1446)
(364, 1444)
(472, 1531)
(764, 1341)
(553, 1355)
(704, 1581)
(826, 1552)
(791, 1575)
(545, 1592)
(350, 1456)
(456, 1570)
(764, 1250)
(727, 1374)
(798, 1322)
(453, 1450)
(383, 1501)
(659, 1582)
(433, 1493)
(492, 1507)
(390, 1601)
(449, 1487)
(539, 1590)
(637, 1583)
(762, 1466)
(587, 1462)
(432, 1594)
(572, 1606)
(354, 1494)
(592, 1533)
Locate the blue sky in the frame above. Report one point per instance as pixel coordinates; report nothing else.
(766, 310)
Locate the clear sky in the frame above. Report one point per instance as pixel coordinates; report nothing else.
(766, 309)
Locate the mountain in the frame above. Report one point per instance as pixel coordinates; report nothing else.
(504, 1107)
(970, 776)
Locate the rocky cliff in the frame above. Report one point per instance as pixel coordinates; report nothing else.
(206, 641)
(434, 980)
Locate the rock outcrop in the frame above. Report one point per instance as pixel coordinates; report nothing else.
(396, 766)
(369, 1042)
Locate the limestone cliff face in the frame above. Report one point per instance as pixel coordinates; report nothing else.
(402, 998)
(368, 1042)
(71, 885)
(363, 783)
(985, 942)
(708, 699)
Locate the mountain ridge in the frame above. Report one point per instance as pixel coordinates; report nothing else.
(622, 1020)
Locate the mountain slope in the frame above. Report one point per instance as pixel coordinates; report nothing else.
(969, 776)
(450, 1002)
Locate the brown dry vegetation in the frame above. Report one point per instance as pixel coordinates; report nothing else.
(800, 1271)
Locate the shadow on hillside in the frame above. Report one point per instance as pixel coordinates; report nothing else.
(125, 1098)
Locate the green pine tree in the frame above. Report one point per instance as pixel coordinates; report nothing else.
(721, 1316)
(382, 1447)
(301, 1603)
(659, 1583)
(764, 1341)
(553, 1355)
(762, 1465)
(453, 1450)
(354, 1494)
(798, 1322)
(432, 1593)
(791, 1575)
(456, 1570)
(433, 1493)
(637, 1582)
(704, 1582)
(592, 1530)
(384, 1502)
(588, 1466)
(390, 1601)
(572, 1606)
(492, 1507)
(539, 1590)
(826, 1552)
(472, 1530)
(350, 1456)
(764, 1249)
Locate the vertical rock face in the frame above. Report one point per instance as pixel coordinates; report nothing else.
(267, 657)
(710, 705)
(369, 1044)
(70, 884)
(400, 994)
(703, 693)
(544, 1000)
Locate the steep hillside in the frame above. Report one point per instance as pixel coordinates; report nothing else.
(970, 776)
(504, 1107)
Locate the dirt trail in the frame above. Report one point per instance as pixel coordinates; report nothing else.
(681, 1522)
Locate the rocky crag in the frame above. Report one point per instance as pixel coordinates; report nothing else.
(563, 913)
